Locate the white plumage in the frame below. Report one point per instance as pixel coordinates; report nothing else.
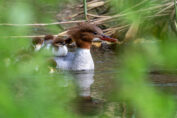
(61, 51)
(81, 59)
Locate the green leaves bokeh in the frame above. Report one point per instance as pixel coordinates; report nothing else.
(27, 90)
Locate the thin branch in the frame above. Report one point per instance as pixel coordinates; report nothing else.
(168, 7)
(93, 15)
(43, 24)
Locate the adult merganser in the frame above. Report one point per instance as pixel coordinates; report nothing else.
(81, 59)
(37, 43)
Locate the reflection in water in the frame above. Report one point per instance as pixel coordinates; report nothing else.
(85, 103)
(84, 80)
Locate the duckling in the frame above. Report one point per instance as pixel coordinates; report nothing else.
(48, 40)
(37, 43)
(59, 47)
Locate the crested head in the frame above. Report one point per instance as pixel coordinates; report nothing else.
(84, 33)
(77, 31)
(37, 40)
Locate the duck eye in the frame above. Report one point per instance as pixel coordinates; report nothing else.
(95, 33)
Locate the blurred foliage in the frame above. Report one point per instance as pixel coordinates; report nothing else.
(136, 10)
(28, 90)
(153, 47)
(149, 102)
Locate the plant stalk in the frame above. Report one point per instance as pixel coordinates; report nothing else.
(85, 9)
(175, 10)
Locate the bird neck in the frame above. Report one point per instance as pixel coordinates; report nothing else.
(83, 44)
(83, 60)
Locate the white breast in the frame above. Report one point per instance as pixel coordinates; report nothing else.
(65, 62)
(82, 60)
(79, 60)
(48, 44)
(38, 47)
(61, 51)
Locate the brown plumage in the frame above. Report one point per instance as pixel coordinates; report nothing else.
(48, 37)
(84, 33)
(37, 40)
(58, 41)
(68, 41)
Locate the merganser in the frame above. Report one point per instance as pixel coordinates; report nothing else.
(37, 43)
(59, 47)
(81, 59)
(48, 40)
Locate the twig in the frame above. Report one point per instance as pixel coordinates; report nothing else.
(64, 33)
(41, 36)
(99, 21)
(93, 15)
(164, 9)
(43, 24)
(158, 15)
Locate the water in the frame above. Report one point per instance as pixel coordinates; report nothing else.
(94, 86)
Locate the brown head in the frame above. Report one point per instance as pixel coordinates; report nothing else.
(68, 41)
(37, 40)
(48, 37)
(58, 42)
(84, 33)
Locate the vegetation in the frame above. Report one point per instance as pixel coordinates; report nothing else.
(146, 30)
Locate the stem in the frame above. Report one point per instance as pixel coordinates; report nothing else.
(85, 9)
(175, 10)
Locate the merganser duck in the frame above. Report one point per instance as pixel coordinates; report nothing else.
(48, 40)
(59, 47)
(37, 43)
(81, 59)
